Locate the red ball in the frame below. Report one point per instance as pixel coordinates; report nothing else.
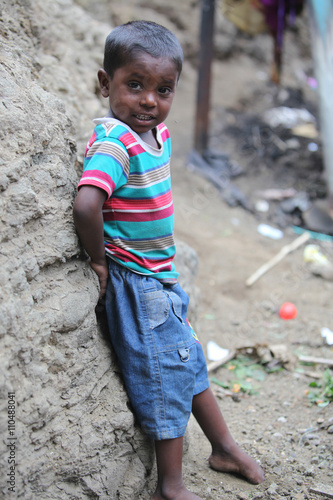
(288, 311)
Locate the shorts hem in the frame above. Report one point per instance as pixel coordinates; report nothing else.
(201, 387)
(170, 434)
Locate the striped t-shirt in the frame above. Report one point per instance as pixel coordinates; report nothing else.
(138, 213)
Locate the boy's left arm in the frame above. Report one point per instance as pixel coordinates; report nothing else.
(88, 219)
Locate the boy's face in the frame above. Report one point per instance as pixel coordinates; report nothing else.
(141, 92)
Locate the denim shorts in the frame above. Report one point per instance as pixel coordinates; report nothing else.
(160, 357)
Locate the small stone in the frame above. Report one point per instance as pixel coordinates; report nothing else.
(330, 429)
(242, 496)
(315, 460)
(272, 489)
(277, 471)
(282, 419)
(310, 473)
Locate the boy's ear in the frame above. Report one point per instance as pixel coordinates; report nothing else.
(103, 79)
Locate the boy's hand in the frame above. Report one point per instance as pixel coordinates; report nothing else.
(88, 220)
(102, 272)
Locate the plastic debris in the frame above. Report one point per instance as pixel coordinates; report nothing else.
(277, 194)
(313, 254)
(215, 352)
(262, 206)
(327, 334)
(307, 130)
(312, 146)
(288, 310)
(270, 232)
(288, 117)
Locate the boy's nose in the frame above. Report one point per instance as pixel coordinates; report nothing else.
(148, 99)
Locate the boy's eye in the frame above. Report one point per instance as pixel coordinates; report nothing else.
(134, 85)
(165, 91)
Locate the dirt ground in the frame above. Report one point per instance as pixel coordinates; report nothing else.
(275, 421)
(278, 426)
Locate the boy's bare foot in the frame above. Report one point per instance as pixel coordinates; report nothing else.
(179, 494)
(236, 461)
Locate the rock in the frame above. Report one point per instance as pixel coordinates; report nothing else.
(272, 489)
(76, 435)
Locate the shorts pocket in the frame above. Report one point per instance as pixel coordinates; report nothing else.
(157, 308)
(177, 305)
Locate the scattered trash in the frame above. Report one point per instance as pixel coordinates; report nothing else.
(288, 117)
(300, 202)
(293, 143)
(218, 169)
(313, 234)
(327, 334)
(287, 311)
(312, 146)
(215, 352)
(250, 364)
(261, 206)
(307, 130)
(318, 263)
(313, 254)
(270, 232)
(277, 194)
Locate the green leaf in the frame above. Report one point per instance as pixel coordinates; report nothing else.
(220, 383)
(323, 404)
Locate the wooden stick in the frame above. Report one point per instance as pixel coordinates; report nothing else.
(214, 365)
(313, 359)
(278, 257)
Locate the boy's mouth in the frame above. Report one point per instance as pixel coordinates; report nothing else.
(145, 117)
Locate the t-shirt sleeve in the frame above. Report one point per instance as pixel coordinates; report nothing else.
(106, 165)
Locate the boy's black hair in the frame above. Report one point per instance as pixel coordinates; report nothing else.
(127, 40)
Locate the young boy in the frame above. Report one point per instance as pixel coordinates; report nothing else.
(124, 217)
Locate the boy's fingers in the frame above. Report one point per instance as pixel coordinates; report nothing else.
(103, 283)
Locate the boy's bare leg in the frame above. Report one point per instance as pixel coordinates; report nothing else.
(226, 455)
(170, 486)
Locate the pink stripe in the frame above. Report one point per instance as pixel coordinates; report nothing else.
(99, 174)
(135, 150)
(148, 204)
(125, 256)
(92, 182)
(164, 132)
(90, 142)
(138, 217)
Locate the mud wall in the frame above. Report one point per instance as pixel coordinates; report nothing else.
(66, 429)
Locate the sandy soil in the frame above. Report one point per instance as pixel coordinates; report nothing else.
(291, 438)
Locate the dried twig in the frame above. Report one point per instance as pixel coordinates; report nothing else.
(278, 257)
(313, 359)
(214, 365)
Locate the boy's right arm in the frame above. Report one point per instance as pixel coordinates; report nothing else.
(88, 219)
